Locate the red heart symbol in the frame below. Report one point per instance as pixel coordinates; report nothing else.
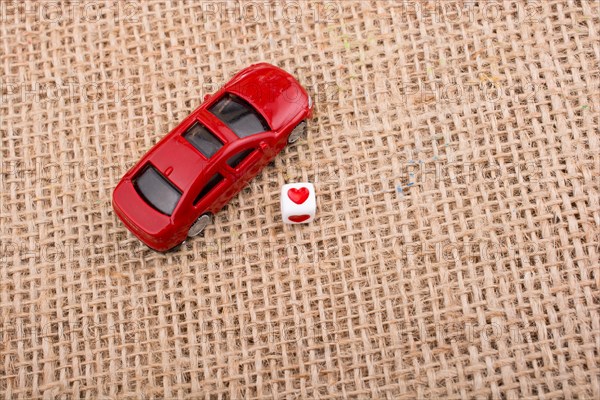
(298, 196)
(299, 218)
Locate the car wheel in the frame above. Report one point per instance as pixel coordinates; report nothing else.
(298, 131)
(201, 223)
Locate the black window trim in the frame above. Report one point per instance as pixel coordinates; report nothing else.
(202, 195)
(251, 151)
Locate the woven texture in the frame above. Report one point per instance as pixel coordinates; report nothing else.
(455, 153)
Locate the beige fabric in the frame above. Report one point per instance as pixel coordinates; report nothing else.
(455, 153)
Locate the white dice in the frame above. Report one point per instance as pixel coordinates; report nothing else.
(298, 203)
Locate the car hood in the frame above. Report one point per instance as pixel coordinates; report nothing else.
(276, 94)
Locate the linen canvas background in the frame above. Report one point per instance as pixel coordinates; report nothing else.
(454, 149)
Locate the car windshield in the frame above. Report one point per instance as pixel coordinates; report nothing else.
(239, 116)
(157, 191)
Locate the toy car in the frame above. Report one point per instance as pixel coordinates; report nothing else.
(189, 175)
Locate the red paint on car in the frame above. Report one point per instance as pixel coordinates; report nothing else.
(211, 155)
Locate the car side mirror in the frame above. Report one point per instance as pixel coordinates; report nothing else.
(206, 97)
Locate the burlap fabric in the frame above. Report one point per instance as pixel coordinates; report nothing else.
(455, 153)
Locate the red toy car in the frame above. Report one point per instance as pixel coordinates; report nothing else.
(187, 177)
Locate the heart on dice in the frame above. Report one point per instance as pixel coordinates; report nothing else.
(298, 196)
(298, 203)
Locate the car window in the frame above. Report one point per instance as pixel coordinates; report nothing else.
(157, 191)
(236, 159)
(239, 116)
(203, 140)
(212, 182)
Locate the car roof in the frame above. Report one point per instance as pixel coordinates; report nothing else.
(189, 165)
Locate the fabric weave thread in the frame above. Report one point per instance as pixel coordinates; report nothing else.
(455, 153)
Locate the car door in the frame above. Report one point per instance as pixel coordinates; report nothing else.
(214, 191)
(245, 162)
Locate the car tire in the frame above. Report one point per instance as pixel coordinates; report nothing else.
(201, 223)
(298, 132)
